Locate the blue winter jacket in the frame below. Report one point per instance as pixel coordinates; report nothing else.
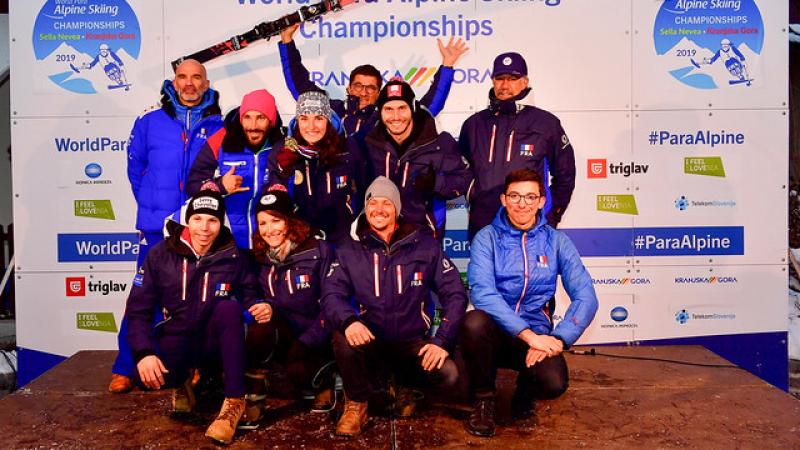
(391, 284)
(512, 275)
(228, 148)
(509, 136)
(185, 286)
(356, 119)
(162, 148)
(326, 197)
(293, 288)
(428, 151)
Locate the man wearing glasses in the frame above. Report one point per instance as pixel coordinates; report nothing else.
(514, 266)
(509, 135)
(358, 110)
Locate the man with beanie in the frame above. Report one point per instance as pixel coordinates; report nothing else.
(509, 135)
(377, 299)
(161, 150)
(201, 282)
(424, 164)
(358, 111)
(235, 158)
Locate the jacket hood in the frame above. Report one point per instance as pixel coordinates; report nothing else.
(235, 140)
(169, 101)
(503, 225)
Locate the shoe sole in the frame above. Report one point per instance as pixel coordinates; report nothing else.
(479, 434)
(364, 427)
(247, 426)
(220, 441)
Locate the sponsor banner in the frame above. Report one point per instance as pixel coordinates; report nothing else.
(98, 247)
(95, 209)
(617, 203)
(456, 244)
(93, 286)
(96, 321)
(658, 241)
(710, 166)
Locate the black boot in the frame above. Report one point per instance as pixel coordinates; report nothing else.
(521, 405)
(481, 421)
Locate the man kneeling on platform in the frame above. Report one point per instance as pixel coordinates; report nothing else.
(389, 269)
(514, 265)
(195, 276)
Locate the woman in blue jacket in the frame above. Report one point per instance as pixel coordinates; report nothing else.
(290, 327)
(514, 266)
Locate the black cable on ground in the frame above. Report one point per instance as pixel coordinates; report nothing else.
(593, 352)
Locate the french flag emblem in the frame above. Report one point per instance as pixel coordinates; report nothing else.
(341, 181)
(526, 149)
(541, 261)
(224, 287)
(302, 279)
(416, 280)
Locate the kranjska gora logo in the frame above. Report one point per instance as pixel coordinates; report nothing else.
(710, 44)
(85, 46)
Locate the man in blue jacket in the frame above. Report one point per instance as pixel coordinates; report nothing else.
(235, 158)
(358, 110)
(424, 163)
(201, 282)
(508, 136)
(161, 150)
(389, 270)
(513, 269)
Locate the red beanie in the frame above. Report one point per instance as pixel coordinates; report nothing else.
(262, 101)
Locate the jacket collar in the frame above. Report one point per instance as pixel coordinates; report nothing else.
(423, 121)
(235, 140)
(170, 104)
(406, 234)
(177, 244)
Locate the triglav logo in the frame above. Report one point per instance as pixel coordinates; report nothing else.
(710, 43)
(84, 46)
(78, 287)
(597, 168)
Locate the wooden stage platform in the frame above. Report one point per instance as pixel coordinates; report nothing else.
(611, 403)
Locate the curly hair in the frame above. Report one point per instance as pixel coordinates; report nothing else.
(297, 231)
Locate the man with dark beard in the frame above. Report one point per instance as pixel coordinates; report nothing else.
(508, 136)
(235, 159)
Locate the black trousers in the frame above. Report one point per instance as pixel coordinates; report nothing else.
(275, 341)
(360, 366)
(487, 347)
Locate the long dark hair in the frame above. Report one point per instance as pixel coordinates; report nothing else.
(329, 147)
(297, 231)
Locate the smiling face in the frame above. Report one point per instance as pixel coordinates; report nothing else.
(312, 127)
(255, 125)
(365, 88)
(508, 86)
(522, 201)
(190, 82)
(203, 230)
(397, 116)
(381, 214)
(273, 229)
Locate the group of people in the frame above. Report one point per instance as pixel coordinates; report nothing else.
(319, 244)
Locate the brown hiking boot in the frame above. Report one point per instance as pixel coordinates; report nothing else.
(353, 419)
(120, 384)
(183, 398)
(223, 427)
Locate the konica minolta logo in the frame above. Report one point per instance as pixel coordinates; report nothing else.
(705, 280)
(98, 247)
(619, 281)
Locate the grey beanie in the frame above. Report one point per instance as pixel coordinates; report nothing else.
(384, 187)
(314, 102)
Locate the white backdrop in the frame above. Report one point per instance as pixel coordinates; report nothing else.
(619, 74)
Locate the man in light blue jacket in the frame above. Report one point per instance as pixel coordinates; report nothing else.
(514, 265)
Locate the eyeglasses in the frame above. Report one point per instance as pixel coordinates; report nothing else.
(515, 198)
(358, 87)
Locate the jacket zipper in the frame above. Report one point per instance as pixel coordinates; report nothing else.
(405, 175)
(184, 278)
(269, 281)
(510, 144)
(388, 155)
(289, 281)
(376, 274)
(525, 284)
(328, 180)
(399, 272)
(205, 287)
(491, 142)
(308, 179)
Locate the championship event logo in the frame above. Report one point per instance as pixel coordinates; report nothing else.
(709, 44)
(86, 47)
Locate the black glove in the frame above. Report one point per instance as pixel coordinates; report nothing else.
(425, 180)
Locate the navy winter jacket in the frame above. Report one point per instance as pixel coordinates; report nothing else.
(512, 275)
(228, 148)
(498, 141)
(185, 286)
(162, 148)
(429, 151)
(391, 285)
(293, 288)
(355, 120)
(326, 197)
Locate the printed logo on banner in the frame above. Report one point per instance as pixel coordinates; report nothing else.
(658, 241)
(76, 286)
(682, 203)
(98, 247)
(706, 280)
(620, 204)
(684, 316)
(456, 244)
(619, 314)
(415, 76)
(620, 281)
(619, 319)
(710, 166)
(94, 172)
(95, 209)
(710, 44)
(96, 321)
(598, 168)
(85, 47)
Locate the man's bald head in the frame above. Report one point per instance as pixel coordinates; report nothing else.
(190, 82)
